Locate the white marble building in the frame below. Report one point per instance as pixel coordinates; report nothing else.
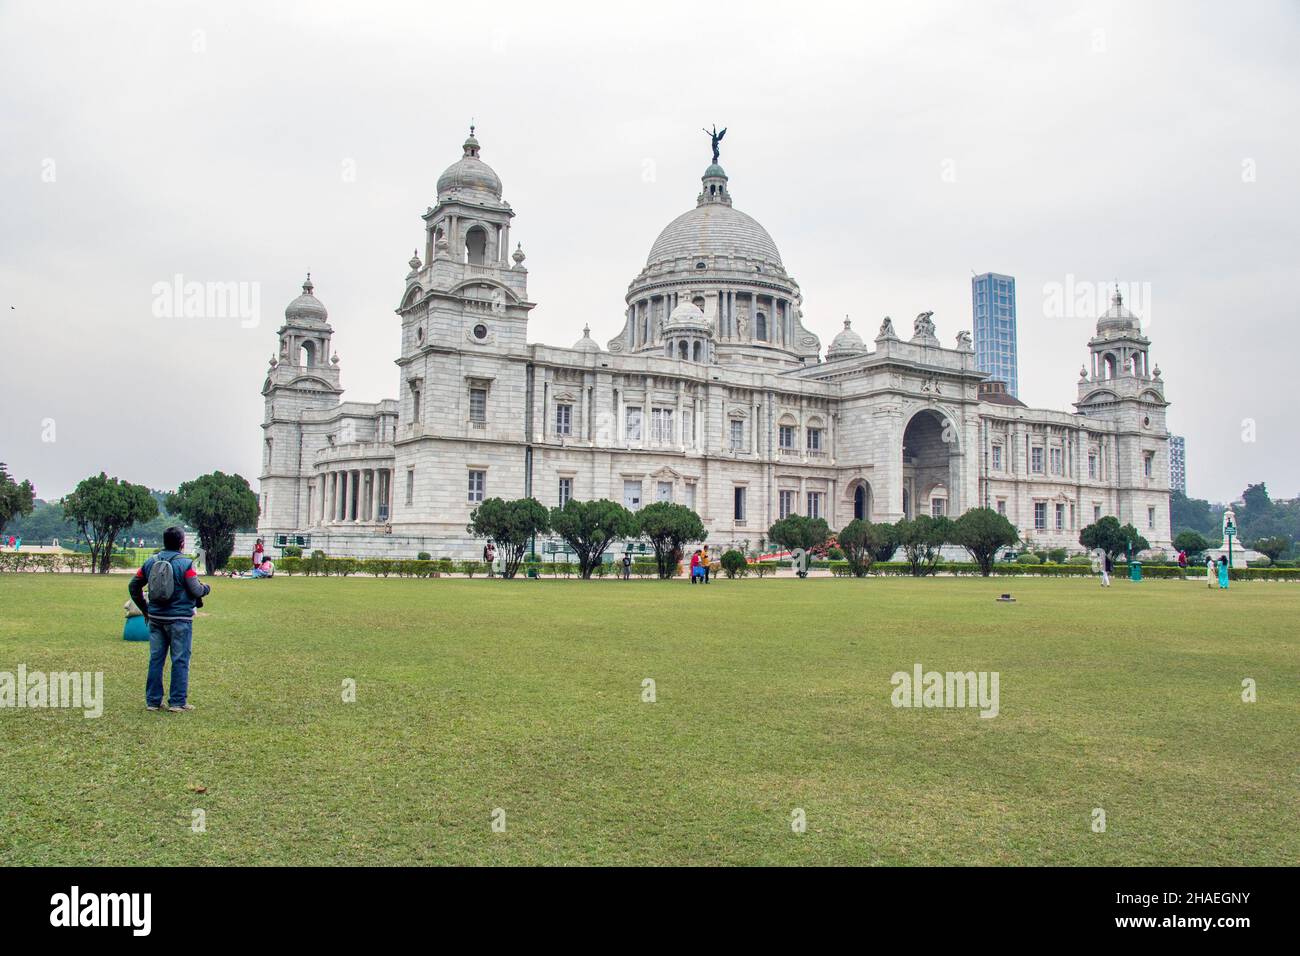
(713, 394)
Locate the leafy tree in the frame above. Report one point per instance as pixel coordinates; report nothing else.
(668, 526)
(215, 505)
(983, 532)
(922, 539)
(888, 543)
(102, 507)
(1113, 539)
(589, 527)
(861, 542)
(1195, 514)
(16, 499)
(798, 531)
(511, 526)
(1274, 546)
(1193, 542)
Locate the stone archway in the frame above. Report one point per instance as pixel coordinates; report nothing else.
(930, 459)
(859, 502)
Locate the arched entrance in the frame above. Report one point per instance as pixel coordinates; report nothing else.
(859, 495)
(930, 461)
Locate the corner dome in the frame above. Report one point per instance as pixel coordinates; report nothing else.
(586, 343)
(306, 308)
(1118, 318)
(470, 175)
(846, 343)
(687, 315)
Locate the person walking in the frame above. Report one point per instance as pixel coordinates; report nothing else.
(704, 563)
(489, 556)
(1223, 573)
(174, 592)
(1107, 566)
(695, 566)
(1211, 572)
(627, 565)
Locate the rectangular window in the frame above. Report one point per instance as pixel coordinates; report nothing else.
(631, 495)
(786, 437)
(415, 404)
(815, 504)
(737, 435)
(566, 491)
(738, 504)
(688, 427)
(1036, 460)
(477, 482)
(634, 423)
(938, 507)
(1057, 458)
(478, 404)
(785, 504)
(1060, 517)
(690, 496)
(564, 419)
(661, 426)
(410, 486)
(997, 457)
(1040, 516)
(1148, 459)
(814, 439)
(664, 491)
(1096, 512)
(1151, 517)
(1002, 506)
(1092, 464)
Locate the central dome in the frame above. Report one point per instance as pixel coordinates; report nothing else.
(470, 175)
(714, 229)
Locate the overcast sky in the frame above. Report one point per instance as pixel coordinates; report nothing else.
(889, 149)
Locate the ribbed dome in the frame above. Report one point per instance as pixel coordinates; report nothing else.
(714, 229)
(306, 308)
(469, 174)
(846, 343)
(586, 343)
(686, 316)
(1118, 318)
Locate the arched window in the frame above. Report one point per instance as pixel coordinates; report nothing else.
(760, 327)
(476, 246)
(1108, 365)
(309, 353)
(697, 352)
(860, 502)
(683, 351)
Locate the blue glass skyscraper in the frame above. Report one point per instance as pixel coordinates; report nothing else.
(993, 305)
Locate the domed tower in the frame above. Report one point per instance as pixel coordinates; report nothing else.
(303, 375)
(1123, 388)
(847, 344)
(724, 263)
(688, 334)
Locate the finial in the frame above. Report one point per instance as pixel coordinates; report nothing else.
(846, 321)
(335, 359)
(518, 254)
(471, 126)
(586, 331)
(307, 286)
(414, 261)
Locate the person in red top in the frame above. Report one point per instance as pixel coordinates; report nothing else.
(695, 566)
(259, 553)
(170, 614)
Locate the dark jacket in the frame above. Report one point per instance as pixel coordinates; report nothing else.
(187, 591)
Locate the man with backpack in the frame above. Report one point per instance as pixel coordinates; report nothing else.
(174, 592)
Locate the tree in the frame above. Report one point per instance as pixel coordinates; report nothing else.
(215, 505)
(1274, 546)
(983, 532)
(796, 531)
(511, 526)
(102, 508)
(922, 539)
(589, 527)
(1108, 536)
(668, 526)
(734, 563)
(1194, 514)
(888, 544)
(861, 542)
(1193, 542)
(16, 498)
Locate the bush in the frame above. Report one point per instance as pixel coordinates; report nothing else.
(291, 551)
(471, 568)
(423, 556)
(1263, 561)
(379, 567)
(734, 564)
(1029, 558)
(1057, 555)
(289, 566)
(239, 565)
(1080, 559)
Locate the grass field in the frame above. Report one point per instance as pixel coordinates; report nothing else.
(771, 695)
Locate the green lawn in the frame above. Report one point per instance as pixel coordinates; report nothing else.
(772, 695)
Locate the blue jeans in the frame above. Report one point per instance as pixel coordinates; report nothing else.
(164, 637)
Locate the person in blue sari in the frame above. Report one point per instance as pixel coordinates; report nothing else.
(1223, 573)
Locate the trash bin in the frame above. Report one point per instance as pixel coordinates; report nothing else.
(1135, 570)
